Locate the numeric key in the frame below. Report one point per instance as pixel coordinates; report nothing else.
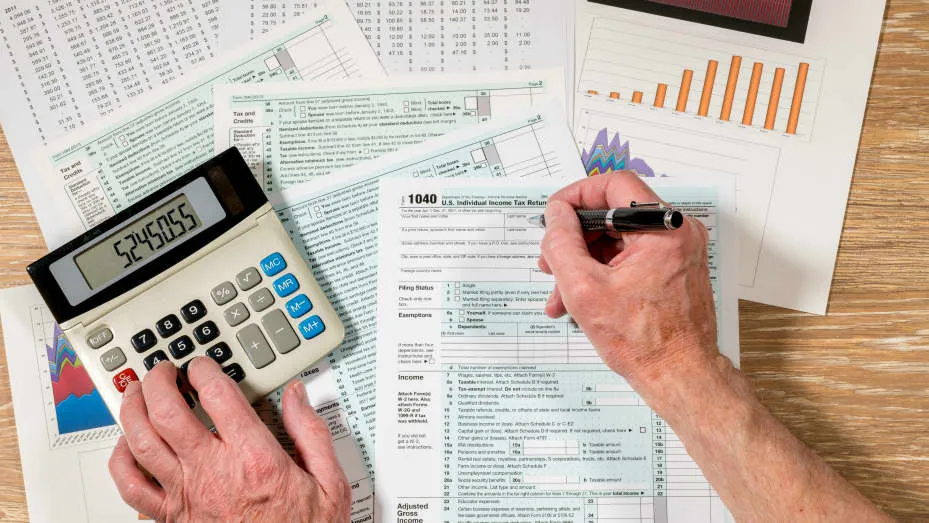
(144, 340)
(154, 359)
(181, 347)
(220, 353)
(168, 326)
(193, 311)
(206, 332)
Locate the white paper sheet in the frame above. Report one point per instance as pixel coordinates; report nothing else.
(64, 64)
(105, 166)
(793, 179)
(487, 409)
(333, 221)
(294, 132)
(65, 432)
(435, 36)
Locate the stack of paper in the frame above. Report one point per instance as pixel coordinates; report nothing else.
(449, 367)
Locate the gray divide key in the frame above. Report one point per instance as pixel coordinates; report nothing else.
(255, 345)
(280, 331)
(261, 300)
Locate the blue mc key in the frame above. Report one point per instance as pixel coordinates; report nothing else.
(273, 264)
(312, 327)
(286, 285)
(299, 306)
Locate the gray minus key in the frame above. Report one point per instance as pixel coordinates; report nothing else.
(280, 331)
(255, 345)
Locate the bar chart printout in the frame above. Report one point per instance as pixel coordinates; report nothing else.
(757, 89)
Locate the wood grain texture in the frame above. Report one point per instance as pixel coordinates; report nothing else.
(854, 385)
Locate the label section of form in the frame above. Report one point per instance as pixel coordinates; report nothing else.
(290, 133)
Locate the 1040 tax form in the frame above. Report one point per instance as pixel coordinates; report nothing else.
(489, 410)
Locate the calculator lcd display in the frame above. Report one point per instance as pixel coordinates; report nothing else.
(154, 233)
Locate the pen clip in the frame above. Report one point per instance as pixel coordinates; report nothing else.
(656, 205)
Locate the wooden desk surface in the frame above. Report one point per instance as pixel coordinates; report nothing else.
(854, 385)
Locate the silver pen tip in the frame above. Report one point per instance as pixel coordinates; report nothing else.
(538, 221)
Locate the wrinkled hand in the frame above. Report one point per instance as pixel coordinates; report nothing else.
(240, 474)
(644, 300)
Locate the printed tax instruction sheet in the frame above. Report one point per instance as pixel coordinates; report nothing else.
(489, 410)
(106, 166)
(437, 35)
(333, 222)
(292, 132)
(64, 64)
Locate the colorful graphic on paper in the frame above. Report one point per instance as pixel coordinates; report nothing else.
(607, 155)
(78, 405)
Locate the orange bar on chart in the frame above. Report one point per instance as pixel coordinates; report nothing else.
(614, 95)
(637, 97)
(749, 115)
(798, 98)
(775, 98)
(660, 95)
(708, 83)
(685, 90)
(730, 88)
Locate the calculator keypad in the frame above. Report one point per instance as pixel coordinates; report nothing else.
(236, 314)
(144, 340)
(286, 285)
(261, 300)
(206, 333)
(124, 378)
(181, 347)
(235, 372)
(154, 359)
(269, 334)
(223, 293)
(248, 278)
(113, 359)
(100, 337)
(279, 330)
(193, 311)
(220, 353)
(255, 346)
(168, 326)
(299, 306)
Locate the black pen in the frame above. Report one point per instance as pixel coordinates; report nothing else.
(638, 217)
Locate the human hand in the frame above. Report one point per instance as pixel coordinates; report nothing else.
(644, 300)
(240, 474)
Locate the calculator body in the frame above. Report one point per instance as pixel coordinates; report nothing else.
(203, 266)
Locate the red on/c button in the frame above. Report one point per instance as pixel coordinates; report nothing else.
(124, 378)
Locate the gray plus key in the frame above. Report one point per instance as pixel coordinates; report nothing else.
(255, 345)
(280, 331)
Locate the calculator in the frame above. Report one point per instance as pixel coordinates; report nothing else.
(201, 267)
